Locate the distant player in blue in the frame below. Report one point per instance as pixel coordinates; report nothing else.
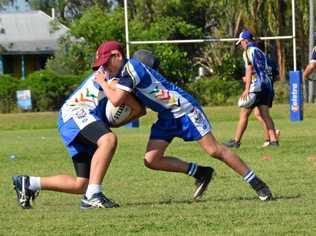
(91, 144)
(311, 67)
(273, 75)
(258, 82)
(179, 115)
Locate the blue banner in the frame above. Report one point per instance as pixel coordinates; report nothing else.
(296, 96)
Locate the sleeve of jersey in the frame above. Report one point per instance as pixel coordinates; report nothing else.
(247, 55)
(313, 59)
(132, 75)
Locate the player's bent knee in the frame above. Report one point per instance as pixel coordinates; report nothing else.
(109, 140)
(216, 151)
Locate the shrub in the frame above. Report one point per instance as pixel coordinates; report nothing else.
(48, 89)
(281, 91)
(215, 91)
(8, 87)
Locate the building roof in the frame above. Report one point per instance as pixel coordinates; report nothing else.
(28, 33)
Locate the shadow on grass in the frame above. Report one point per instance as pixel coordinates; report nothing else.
(187, 201)
(162, 202)
(275, 198)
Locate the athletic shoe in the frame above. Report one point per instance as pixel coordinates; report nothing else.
(24, 195)
(266, 143)
(273, 143)
(232, 143)
(202, 183)
(270, 144)
(264, 194)
(98, 200)
(261, 189)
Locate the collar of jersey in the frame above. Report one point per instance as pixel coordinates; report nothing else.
(251, 44)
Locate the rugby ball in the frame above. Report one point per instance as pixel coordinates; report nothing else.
(117, 115)
(247, 101)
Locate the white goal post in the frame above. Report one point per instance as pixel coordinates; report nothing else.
(128, 42)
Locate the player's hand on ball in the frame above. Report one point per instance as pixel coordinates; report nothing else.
(101, 76)
(245, 94)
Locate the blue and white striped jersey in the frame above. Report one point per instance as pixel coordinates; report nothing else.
(255, 57)
(154, 91)
(84, 106)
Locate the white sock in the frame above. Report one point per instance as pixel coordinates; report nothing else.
(35, 183)
(92, 189)
(250, 175)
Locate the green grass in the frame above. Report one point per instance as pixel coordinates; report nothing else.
(160, 203)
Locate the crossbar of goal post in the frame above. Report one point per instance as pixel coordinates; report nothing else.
(128, 42)
(295, 76)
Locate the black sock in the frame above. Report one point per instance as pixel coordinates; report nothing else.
(197, 171)
(192, 169)
(257, 184)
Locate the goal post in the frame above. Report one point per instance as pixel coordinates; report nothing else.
(129, 42)
(295, 75)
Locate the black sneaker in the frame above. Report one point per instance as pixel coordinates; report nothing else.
(262, 190)
(202, 183)
(273, 143)
(98, 200)
(232, 143)
(24, 195)
(264, 194)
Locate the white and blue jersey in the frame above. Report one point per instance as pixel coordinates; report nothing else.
(179, 113)
(313, 59)
(83, 107)
(255, 57)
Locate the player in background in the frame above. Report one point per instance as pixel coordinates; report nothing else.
(179, 115)
(86, 133)
(273, 75)
(257, 81)
(311, 67)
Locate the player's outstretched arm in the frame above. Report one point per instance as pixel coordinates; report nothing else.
(310, 68)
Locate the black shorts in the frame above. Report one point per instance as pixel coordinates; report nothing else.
(88, 136)
(265, 97)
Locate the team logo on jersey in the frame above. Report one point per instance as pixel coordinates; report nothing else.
(86, 98)
(81, 113)
(165, 96)
(197, 116)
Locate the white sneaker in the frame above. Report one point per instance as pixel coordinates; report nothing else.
(266, 143)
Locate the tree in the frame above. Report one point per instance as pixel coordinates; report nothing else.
(68, 10)
(77, 49)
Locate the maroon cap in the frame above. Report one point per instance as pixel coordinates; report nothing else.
(104, 53)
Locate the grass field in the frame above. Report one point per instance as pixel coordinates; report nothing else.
(160, 203)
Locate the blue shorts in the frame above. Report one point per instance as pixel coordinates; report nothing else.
(190, 127)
